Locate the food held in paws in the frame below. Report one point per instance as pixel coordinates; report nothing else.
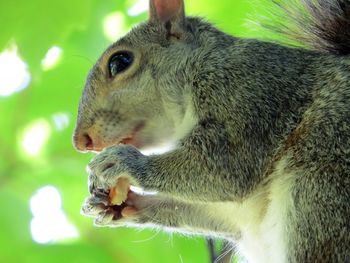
(119, 193)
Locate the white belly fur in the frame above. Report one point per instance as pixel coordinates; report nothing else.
(261, 219)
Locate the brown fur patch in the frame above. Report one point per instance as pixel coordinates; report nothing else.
(292, 140)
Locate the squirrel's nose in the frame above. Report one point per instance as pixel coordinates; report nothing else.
(83, 141)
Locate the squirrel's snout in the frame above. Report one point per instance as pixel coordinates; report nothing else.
(83, 141)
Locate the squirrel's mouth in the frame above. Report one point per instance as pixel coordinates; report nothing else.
(132, 138)
(127, 140)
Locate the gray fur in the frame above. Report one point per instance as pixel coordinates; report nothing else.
(323, 25)
(262, 114)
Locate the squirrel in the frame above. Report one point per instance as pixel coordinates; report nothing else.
(261, 133)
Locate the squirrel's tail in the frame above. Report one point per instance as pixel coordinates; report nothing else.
(323, 25)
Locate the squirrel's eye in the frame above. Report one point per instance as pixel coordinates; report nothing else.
(119, 62)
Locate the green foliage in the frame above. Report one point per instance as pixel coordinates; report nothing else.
(76, 26)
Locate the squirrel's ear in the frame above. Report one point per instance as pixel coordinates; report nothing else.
(167, 11)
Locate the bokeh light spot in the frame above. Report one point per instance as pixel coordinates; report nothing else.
(51, 58)
(49, 223)
(114, 26)
(138, 8)
(61, 120)
(35, 137)
(14, 74)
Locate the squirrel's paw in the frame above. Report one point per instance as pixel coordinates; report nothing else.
(136, 209)
(114, 164)
(111, 173)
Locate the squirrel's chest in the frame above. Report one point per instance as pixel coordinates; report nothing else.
(262, 240)
(260, 221)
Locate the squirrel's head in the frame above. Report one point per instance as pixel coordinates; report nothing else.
(137, 93)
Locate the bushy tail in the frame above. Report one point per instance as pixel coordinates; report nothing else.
(322, 25)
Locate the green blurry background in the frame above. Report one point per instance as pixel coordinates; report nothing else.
(46, 50)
